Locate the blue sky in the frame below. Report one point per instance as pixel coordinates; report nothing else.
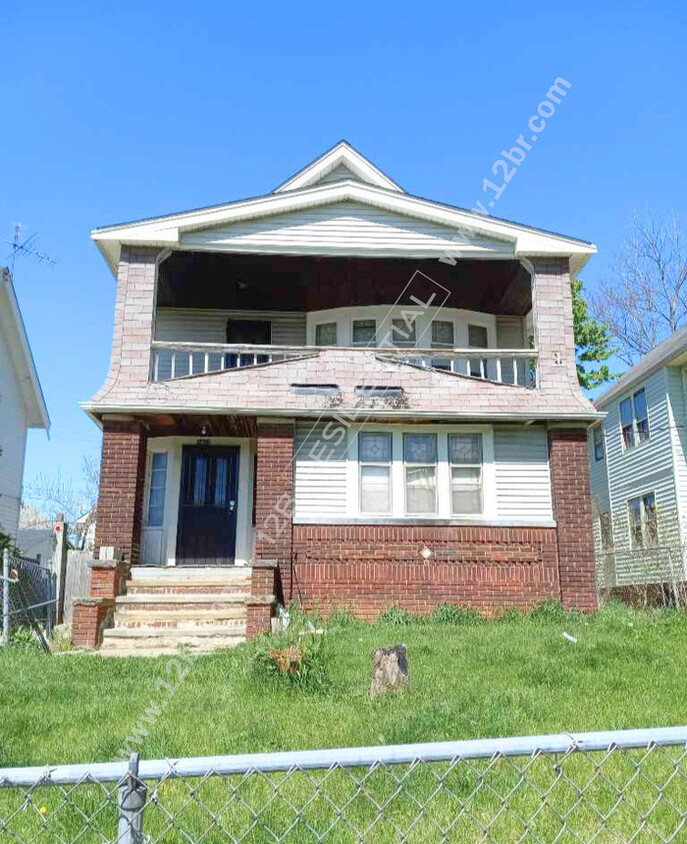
(112, 113)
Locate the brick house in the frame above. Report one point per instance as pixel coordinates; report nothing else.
(340, 394)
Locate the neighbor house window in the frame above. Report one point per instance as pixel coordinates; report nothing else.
(403, 334)
(605, 531)
(643, 521)
(420, 468)
(325, 334)
(364, 332)
(156, 493)
(478, 339)
(442, 338)
(634, 420)
(374, 459)
(465, 458)
(598, 438)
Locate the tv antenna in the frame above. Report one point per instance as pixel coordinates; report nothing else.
(25, 248)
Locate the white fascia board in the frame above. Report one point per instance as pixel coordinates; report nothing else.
(341, 154)
(20, 350)
(165, 231)
(581, 416)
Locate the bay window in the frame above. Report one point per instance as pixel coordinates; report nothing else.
(420, 471)
(465, 459)
(374, 459)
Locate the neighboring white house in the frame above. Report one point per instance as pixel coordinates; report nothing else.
(638, 470)
(22, 405)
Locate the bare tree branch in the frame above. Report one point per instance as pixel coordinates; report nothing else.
(645, 300)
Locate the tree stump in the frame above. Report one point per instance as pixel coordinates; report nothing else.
(389, 670)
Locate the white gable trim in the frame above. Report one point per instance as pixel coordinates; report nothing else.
(12, 327)
(344, 155)
(167, 231)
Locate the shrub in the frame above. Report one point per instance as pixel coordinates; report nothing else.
(456, 615)
(396, 615)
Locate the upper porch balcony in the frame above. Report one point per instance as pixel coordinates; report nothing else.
(221, 312)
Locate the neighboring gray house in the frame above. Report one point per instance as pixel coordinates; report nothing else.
(21, 403)
(638, 471)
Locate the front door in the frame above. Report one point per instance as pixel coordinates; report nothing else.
(207, 506)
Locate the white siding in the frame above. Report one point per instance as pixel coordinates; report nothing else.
(13, 422)
(320, 481)
(195, 325)
(336, 226)
(523, 481)
(645, 468)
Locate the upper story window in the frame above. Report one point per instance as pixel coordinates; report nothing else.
(325, 334)
(465, 458)
(478, 338)
(634, 420)
(420, 472)
(442, 334)
(156, 492)
(598, 440)
(374, 458)
(643, 521)
(364, 332)
(403, 334)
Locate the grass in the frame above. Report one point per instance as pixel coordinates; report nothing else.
(469, 679)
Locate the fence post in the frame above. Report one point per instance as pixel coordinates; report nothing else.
(6, 597)
(59, 565)
(132, 798)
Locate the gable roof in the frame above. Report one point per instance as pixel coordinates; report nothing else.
(14, 330)
(343, 175)
(343, 162)
(670, 351)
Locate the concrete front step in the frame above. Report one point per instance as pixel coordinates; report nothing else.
(152, 587)
(228, 617)
(205, 639)
(187, 574)
(170, 600)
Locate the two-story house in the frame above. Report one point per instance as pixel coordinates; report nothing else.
(638, 471)
(344, 395)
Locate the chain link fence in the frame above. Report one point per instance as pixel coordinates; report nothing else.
(602, 787)
(28, 596)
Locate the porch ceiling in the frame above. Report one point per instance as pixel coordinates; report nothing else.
(289, 283)
(197, 425)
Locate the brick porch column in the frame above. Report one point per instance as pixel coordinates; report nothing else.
(120, 500)
(572, 509)
(274, 497)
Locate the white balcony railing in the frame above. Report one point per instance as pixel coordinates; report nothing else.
(172, 360)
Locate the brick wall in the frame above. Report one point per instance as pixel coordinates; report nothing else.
(274, 494)
(572, 509)
(120, 500)
(369, 568)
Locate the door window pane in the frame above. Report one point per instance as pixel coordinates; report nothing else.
(364, 332)
(156, 494)
(200, 476)
(221, 466)
(374, 458)
(325, 334)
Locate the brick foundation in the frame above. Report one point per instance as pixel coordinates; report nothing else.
(264, 589)
(367, 569)
(92, 614)
(120, 499)
(572, 510)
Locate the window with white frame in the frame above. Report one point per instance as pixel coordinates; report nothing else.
(420, 474)
(442, 338)
(643, 521)
(634, 420)
(598, 439)
(403, 333)
(465, 459)
(364, 332)
(156, 490)
(326, 334)
(374, 459)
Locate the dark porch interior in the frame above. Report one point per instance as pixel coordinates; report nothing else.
(288, 283)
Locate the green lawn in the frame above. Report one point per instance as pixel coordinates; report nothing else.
(511, 677)
(516, 677)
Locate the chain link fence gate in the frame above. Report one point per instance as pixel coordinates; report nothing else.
(625, 786)
(28, 596)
